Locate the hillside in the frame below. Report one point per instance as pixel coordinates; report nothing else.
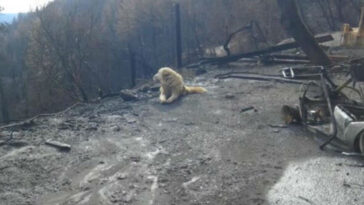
(68, 50)
(81, 121)
(199, 150)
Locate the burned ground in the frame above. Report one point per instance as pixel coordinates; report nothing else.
(200, 150)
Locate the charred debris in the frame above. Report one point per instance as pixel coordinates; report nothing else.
(337, 119)
(322, 107)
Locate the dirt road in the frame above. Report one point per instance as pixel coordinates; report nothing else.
(199, 150)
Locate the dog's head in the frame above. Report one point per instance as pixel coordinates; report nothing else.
(162, 73)
(157, 77)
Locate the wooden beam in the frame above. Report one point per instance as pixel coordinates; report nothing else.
(285, 46)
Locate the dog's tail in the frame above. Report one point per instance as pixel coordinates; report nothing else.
(192, 89)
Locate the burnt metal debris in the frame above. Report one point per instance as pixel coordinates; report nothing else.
(327, 111)
(256, 76)
(338, 120)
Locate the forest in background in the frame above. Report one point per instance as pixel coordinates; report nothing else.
(69, 50)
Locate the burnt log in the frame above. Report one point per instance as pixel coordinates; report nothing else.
(178, 36)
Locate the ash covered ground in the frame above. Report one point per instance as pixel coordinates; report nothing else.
(199, 150)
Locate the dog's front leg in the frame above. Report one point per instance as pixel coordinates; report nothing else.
(162, 98)
(162, 95)
(172, 98)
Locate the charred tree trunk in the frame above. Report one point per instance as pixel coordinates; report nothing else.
(82, 91)
(132, 67)
(3, 104)
(291, 20)
(328, 13)
(339, 4)
(356, 5)
(178, 36)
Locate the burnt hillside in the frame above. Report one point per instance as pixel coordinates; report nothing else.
(69, 50)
